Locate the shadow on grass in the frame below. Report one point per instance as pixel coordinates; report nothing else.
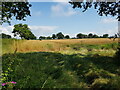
(55, 70)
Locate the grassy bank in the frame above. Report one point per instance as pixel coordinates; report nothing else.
(56, 70)
(61, 63)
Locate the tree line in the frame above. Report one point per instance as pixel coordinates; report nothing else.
(23, 31)
(2, 35)
(60, 35)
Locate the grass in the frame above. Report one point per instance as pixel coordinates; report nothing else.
(62, 64)
(56, 70)
(9, 46)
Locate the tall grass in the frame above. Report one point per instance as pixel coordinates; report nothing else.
(9, 45)
(79, 63)
(55, 70)
(0, 47)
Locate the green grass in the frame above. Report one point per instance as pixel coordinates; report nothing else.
(78, 66)
(8, 45)
(56, 70)
(91, 46)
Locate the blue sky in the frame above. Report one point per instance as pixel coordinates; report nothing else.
(52, 17)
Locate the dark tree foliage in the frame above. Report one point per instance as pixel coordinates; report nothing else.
(105, 35)
(95, 36)
(19, 10)
(80, 35)
(53, 36)
(67, 37)
(2, 35)
(48, 37)
(90, 35)
(103, 8)
(60, 35)
(23, 31)
(42, 37)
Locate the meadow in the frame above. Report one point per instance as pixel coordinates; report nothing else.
(67, 63)
(10, 45)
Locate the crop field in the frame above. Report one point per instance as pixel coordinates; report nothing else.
(67, 63)
(9, 46)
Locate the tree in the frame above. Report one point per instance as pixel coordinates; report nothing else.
(60, 35)
(23, 31)
(48, 37)
(53, 36)
(19, 10)
(85, 36)
(2, 35)
(80, 35)
(90, 35)
(103, 8)
(73, 38)
(105, 35)
(67, 37)
(95, 36)
(42, 37)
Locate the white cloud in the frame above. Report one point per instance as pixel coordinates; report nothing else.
(43, 30)
(6, 30)
(62, 9)
(37, 30)
(109, 20)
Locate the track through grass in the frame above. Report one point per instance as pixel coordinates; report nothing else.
(61, 64)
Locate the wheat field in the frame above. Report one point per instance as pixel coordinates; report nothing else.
(50, 45)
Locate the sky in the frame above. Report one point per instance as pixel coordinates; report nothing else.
(49, 18)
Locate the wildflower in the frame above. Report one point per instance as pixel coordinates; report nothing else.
(13, 82)
(3, 84)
